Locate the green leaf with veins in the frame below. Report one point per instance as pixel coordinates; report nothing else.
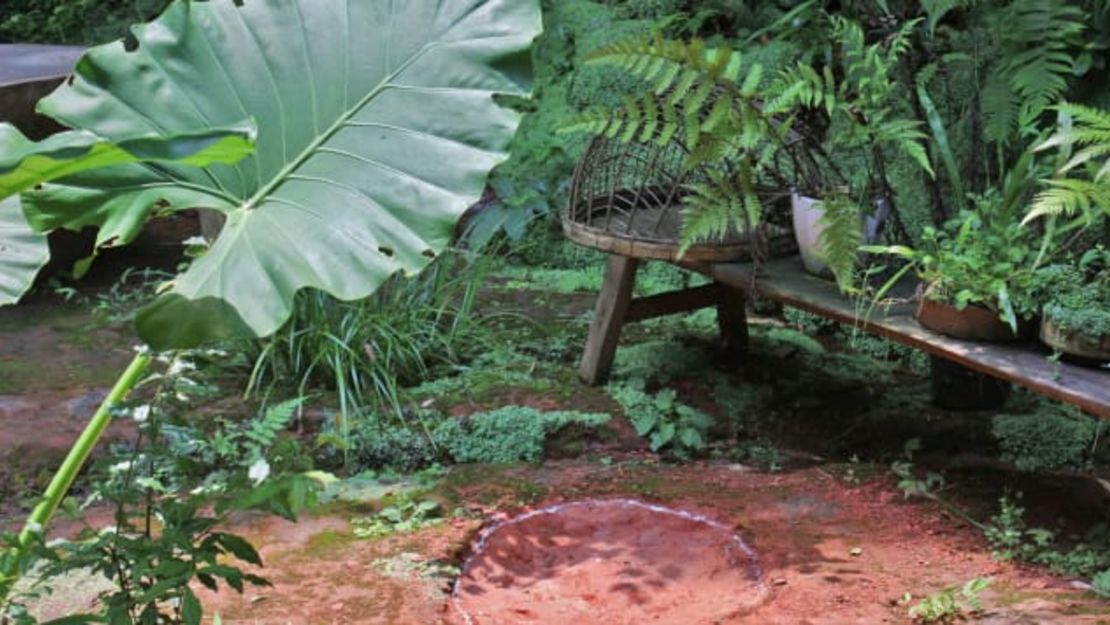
(376, 130)
(23, 251)
(25, 164)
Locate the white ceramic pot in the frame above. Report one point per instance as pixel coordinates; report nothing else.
(807, 214)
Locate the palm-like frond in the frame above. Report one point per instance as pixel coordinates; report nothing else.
(1082, 184)
(703, 96)
(1069, 197)
(707, 99)
(1038, 39)
(840, 238)
(719, 205)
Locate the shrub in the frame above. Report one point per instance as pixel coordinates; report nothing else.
(1050, 438)
(396, 448)
(668, 424)
(73, 21)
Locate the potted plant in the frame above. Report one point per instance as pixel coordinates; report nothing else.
(1075, 320)
(847, 104)
(977, 273)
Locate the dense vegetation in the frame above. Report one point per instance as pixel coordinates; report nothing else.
(74, 22)
(982, 123)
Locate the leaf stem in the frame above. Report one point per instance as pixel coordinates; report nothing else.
(63, 479)
(71, 466)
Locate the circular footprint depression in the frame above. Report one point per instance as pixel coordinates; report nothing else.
(612, 562)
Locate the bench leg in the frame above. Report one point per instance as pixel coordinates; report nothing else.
(732, 320)
(609, 316)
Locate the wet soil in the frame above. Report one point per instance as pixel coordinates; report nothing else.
(835, 543)
(618, 560)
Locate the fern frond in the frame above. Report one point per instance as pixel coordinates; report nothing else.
(1037, 40)
(840, 238)
(709, 212)
(1000, 105)
(1069, 193)
(694, 99)
(264, 430)
(1088, 129)
(937, 9)
(713, 208)
(1070, 197)
(906, 136)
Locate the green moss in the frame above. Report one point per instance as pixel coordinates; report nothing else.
(779, 337)
(328, 543)
(648, 486)
(658, 359)
(1085, 309)
(528, 492)
(507, 435)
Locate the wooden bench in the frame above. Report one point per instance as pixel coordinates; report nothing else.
(783, 280)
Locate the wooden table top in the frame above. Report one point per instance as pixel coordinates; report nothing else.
(1026, 364)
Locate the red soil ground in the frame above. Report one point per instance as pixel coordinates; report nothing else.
(830, 553)
(632, 562)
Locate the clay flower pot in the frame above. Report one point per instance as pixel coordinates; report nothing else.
(1075, 342)
(973, 323)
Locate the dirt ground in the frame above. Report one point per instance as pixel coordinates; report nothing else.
(827, 552)
(830, 542)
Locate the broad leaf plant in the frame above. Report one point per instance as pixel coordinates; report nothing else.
(374, 126)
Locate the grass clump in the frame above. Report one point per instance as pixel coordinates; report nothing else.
(368, 350)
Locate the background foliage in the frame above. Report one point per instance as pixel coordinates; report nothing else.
(76, 22)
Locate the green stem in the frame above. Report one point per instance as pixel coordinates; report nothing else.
(60, 485)
(63, 479)
(71, 466)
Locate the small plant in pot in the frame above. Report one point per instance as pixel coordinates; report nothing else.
(1075, 320)
(1076, 315)
(978, 274)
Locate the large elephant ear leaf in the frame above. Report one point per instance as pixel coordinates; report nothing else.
(25, 164)
(23, 251)
(377, 128)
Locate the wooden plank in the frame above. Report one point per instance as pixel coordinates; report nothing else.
(784, 280)
(675, 302)
(609, 315)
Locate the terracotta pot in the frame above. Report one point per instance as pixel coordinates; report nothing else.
(1074, 343)
(973, 323)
